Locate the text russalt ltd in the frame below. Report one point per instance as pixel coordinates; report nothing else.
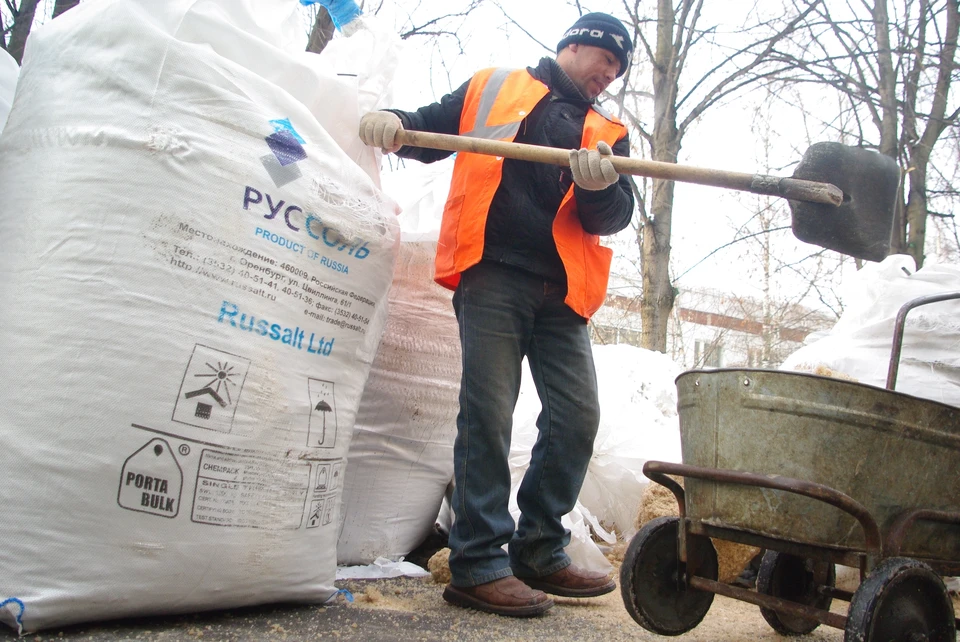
(230, 313)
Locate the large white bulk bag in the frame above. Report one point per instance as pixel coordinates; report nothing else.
(193, 270)
(401, 457)
(859, 345)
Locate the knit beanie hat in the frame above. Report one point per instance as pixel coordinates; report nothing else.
(600, 30)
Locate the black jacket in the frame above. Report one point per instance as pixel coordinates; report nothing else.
(519, 228)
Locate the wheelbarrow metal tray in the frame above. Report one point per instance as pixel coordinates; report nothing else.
(889, 451)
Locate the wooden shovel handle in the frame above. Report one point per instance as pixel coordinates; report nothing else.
(791, 188)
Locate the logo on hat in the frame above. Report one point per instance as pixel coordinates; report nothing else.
(586, 31)
(594, 33)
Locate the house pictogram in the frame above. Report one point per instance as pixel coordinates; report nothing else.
(211, 389)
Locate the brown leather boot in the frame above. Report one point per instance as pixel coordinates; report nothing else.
(573, 581)
(506, 596)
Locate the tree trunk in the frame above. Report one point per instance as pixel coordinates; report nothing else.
(321, 33)
(658, 295)
(887, 88)
(919, 153)
(769, 328)
(22, 21)
(916, 211)
(888, 112)
(63, 5)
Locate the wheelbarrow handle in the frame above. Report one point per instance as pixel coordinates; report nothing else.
(790, 188)
(658, 471)
(898, 329)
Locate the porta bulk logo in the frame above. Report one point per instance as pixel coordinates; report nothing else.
(287, 147)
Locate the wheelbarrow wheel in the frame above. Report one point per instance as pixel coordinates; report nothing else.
(902, 599)
(797, 580)
(650, 581)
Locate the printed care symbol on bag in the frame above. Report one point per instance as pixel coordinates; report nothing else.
(328, 507)
(335, 476)
(151, 480)
(287, 147)
(321, 511)
(328, 477)
(216, 381)
(210, 389)
(322, 432)
(323, 477)
(316, 513)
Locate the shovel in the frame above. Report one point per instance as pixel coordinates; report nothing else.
(852, 214)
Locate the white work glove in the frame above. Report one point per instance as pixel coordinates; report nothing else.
(592, 169)
(379, 129)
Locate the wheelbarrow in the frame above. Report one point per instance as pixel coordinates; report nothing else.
(816, 471)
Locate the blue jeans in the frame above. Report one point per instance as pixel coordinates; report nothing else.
(506, 314)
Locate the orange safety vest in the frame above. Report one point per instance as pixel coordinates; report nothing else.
(496, 102)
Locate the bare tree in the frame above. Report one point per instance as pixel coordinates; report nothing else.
(789, 275)
(17, 21)
(747, 57)
(893, 74)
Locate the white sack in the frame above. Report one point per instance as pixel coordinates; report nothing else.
(9, 71)
(859, 344)
(193, 265)
(401, 457)
(380, 568)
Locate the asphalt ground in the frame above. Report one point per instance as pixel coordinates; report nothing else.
(430, 620)
(411, 609)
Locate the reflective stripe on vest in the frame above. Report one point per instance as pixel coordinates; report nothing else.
(487, 98)
(496, 102)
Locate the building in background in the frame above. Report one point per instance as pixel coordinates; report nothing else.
(712, 329)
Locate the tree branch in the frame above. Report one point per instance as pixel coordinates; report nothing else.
(726, 245)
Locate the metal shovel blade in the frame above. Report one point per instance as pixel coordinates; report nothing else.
(863, 224)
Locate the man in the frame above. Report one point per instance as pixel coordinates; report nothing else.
(518, 244)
